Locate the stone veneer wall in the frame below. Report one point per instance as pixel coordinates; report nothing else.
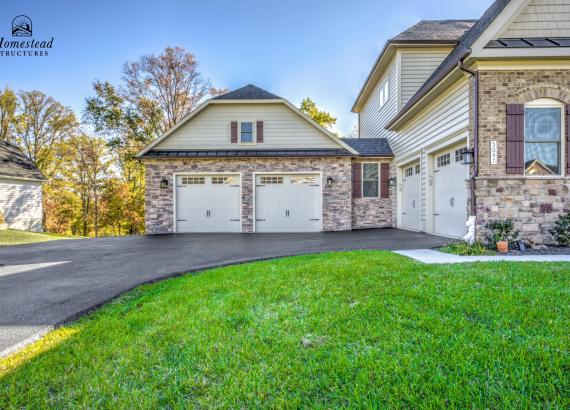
(372, 212)
(533, 204)
(336, 200)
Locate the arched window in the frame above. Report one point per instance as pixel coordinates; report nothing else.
(543, 125)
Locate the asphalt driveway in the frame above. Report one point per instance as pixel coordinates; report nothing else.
(45, 284)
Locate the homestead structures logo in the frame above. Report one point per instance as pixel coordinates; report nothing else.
(22, 26)
(16, 47)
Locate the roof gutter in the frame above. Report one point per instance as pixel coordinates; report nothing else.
(475, 75)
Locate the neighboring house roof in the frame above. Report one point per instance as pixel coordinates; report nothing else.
(249, 92)
(370, 147)
(461, 50)
(242, 153)
(438, 30)
(13, 163)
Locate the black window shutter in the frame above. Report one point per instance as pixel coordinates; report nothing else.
(357, 180)
(234, 132)
(515, 139)
(384, 180)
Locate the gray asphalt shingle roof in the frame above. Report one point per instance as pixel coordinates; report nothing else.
(432, 30)
(13, 163)
(462, 49)
(249, 92)
(370, 147)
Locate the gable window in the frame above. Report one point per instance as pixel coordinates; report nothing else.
(246, 132)
(384, 94)
(370, 180)
(543, 137)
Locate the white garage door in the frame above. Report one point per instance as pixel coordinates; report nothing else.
(411, 197)
(450, 193)
(288, 203)
(208, 203)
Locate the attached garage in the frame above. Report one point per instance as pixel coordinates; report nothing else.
(450, 193)
(288, 203)
(208, 203)
(411, 197)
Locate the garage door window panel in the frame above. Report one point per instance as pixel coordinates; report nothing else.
(193, 180)
(542, 137)
(370, 180)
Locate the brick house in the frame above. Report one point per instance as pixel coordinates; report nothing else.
(460, 122)
(498, 88)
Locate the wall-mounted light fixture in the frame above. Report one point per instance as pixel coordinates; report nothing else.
(330, 181)
(466, 156)
(392, 181)
(163, 183)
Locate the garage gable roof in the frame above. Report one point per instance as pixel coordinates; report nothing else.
(250, 94)
(13, 163)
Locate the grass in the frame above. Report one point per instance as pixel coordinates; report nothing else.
(356, 329)
(14, 237)
(465, 249)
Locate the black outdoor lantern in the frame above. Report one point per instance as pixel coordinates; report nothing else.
(163, 183)
(330, 181)
(392, 181)
(466, 156)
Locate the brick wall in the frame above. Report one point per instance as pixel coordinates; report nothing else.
(337, 215)
(533, 204)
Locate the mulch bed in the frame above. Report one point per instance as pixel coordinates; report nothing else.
(550, 250)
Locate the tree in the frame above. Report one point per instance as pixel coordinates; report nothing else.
(168, 85)
(323, 118)
(8, 107)
(42, 123)
(157, 91)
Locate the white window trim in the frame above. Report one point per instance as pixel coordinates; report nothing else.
(254, 132)
(362, 179)
(550, 103)
(384, 89)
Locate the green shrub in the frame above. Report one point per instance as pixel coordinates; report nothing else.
(501, 231)
(561, 230)
(465, 249)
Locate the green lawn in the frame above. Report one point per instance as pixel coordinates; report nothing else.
(13, 237)
(355, 329)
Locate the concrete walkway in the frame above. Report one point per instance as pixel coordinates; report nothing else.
(432, 256)
(45, 284)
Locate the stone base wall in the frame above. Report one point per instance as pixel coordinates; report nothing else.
(159, 203)
(371, 213)
(533, 205)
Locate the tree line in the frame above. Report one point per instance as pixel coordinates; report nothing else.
(94, 184)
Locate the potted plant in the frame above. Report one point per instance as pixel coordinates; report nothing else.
(501, 234)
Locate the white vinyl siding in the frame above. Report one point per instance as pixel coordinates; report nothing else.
(541, 18)
(374, 118)
(415, 69)
(282, 129)
(443, 119)
(21, 204)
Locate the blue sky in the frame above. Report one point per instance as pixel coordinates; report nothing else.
(322, 49)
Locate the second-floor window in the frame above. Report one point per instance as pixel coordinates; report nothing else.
(246, 132)
(384, 94)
